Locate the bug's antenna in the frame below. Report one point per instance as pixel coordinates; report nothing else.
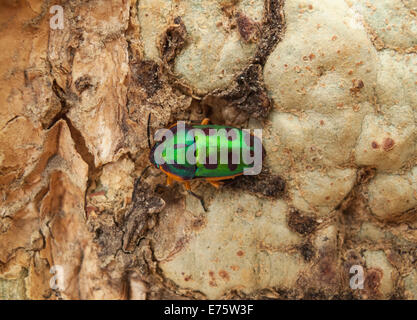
(148, 131)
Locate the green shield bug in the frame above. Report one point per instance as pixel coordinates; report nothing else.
(214, 153)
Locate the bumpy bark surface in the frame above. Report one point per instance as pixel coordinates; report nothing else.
(333, 85)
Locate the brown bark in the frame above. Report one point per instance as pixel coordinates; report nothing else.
(74, 106)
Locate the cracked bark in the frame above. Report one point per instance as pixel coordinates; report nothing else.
(73, 143)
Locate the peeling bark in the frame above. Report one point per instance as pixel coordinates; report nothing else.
(339, 183)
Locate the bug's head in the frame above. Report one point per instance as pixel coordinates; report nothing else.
(152, 155)
(151, 148)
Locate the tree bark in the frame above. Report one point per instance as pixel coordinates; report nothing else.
(333, 91)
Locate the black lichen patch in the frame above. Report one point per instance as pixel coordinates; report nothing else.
(308, 251)
(247, 94)
(136, 222)
(83, 83)
(146, 74)
(107, 235)
(112, 234)
(172, 40)
(265, 184)
(273, 26)
(300, 223)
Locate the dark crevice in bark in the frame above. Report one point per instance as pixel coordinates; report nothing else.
(80, 144)
(60, 93)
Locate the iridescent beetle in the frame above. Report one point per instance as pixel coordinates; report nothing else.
(208, 165)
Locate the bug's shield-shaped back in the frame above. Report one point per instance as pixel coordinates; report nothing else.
(176, 150)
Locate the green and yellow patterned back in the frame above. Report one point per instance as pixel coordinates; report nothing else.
(215, 150)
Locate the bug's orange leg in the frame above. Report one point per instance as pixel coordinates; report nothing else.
(169, 181)
(187, 186)
(215, 184)
(205, 121)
